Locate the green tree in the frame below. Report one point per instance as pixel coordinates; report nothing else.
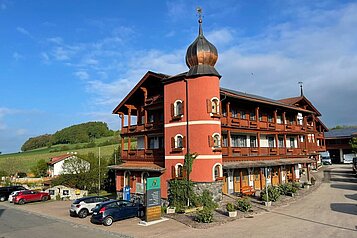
(354, 144)
(40, 169)
(37, 142)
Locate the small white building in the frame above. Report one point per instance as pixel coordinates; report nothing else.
(55, 165)
(65, 193)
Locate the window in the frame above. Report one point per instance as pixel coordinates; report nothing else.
(179, 141)
(215, 105)
(281, 142)
(216, 140)
(150, 118)
(126, 178)
(252, 116)
(178, 108)
(279, 120)
(242, 115)
(224, 141)
(270, 118)
(300, 118)
(271, 142)
(217, 171)
(239, 141)
(292, 142)
(253, 141)
(234, 112)
(156, 142)
(179, 170)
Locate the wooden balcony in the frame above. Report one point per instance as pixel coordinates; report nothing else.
(262, 151)
(154, 100)
(133, 129)
(148, 155)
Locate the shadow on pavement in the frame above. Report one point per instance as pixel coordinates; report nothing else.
(344, 180)
(345, 186)
(351, 196)
(1, 211)
(348, 208)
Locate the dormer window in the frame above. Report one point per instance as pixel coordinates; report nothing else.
(177, 109)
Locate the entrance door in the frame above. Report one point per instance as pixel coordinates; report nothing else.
(225, 183)
(275, 176)
(256, 179)
(245, 178)
(236, 181)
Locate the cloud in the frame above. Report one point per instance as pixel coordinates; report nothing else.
(83, 75)
(23, 31)
(176, 9)
(221, 36)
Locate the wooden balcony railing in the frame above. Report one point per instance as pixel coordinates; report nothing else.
(262, 151)
(148, 155)
(142, 128)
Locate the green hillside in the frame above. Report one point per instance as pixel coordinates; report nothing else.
(24, 161)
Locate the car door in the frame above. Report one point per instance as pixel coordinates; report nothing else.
(32, 196)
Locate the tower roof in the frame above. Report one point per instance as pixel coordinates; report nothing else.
(201, 55)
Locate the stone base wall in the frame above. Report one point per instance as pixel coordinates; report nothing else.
(214, 187)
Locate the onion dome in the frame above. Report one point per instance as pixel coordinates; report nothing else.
(201, 56)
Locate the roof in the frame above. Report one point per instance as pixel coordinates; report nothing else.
(294, 100)
(265, 163)
(252, 97)
(137, 166)
(343, 132)
(59, 158)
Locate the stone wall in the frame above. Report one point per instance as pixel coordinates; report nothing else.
(214, 187)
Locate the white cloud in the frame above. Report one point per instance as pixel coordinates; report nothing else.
(83, 75)
(17, 56)
(221, 36)
(23, 31)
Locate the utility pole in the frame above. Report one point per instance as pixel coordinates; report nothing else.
(99, 171)
(115, 156)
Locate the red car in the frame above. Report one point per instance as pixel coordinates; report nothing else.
(30, 196)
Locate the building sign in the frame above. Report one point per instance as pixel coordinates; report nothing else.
(153, 199)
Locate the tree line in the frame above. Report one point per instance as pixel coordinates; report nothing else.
(81, 133)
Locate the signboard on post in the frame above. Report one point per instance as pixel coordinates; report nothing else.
(153, 199)
(126, 193)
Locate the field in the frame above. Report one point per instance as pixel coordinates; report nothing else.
(24, 161)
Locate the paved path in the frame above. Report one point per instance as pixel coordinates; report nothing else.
(329, 211)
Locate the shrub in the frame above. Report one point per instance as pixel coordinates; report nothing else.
(273, 193)
(244, 204)
(286, 188)
(205, 200)
(178, 194)
(230, 207)
(204, 216)
(296, 185)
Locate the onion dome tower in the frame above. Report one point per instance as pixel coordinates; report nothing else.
(201, 55)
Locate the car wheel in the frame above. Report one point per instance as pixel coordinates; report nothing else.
(140, 214)
(108, 221)
(44, 198)
(2, 199)
(83, 213)
(21, 201)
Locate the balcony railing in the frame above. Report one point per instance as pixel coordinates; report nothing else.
(262, 151)
(148, 155)
(142, 128)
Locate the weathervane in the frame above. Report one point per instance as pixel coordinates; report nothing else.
(301, 91)
(199, 12)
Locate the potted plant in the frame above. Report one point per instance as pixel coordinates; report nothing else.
(232, 212)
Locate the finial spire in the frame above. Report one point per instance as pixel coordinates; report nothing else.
(199, 12)
(301, 89)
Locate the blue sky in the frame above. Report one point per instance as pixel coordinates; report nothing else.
(68, 62)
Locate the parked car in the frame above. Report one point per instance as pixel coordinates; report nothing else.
(13, 194)
(326, 160)
(82, 207)
(6, 191)
(108, 212)
(30, 196)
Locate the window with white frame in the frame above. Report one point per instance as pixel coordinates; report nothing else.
(253, 141)
(217, 171)
(216, 140)
(243, 116)
(271, 143)
(224, 141)
(300, 118)
(179, 141)
(280, 142)
(179, 170)
(215, 105)
(292, 142)
(178, 108)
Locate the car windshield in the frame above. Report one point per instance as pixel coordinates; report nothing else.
(77, 201)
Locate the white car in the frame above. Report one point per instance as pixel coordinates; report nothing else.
(13, 194)
(82, 207)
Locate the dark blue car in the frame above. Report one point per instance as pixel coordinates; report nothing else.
(107, 212)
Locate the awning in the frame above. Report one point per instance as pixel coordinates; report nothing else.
(130, 166)
(265, 163)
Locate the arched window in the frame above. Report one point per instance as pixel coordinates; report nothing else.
(178, 108)
(179, 142)
(216, 140)
(144, 176)
(215, 105)
(217, 171)
(179, 170)
(126, 178)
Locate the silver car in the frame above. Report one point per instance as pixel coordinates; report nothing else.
(82, 207)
